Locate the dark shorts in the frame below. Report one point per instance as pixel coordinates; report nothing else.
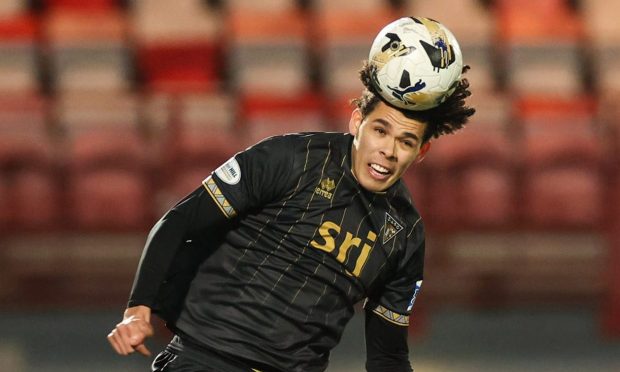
(183, 355)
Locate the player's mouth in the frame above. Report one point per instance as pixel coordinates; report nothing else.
(378, 172)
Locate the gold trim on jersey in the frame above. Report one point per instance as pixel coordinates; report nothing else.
(219, 198)
(392, 317)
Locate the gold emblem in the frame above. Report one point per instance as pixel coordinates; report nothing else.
(325, 188)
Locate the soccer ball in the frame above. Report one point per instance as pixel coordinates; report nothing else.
(416, 63)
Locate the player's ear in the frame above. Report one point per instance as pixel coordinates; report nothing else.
(423, 150)
(355, 121)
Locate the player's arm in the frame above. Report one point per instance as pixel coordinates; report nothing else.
(194, 213)
(387, 311)
(386, 344)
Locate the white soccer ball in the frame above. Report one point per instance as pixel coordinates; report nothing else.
(418, 63)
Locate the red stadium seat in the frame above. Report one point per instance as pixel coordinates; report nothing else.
(472, 180)
(109, 199)
(178, 46)
(90, 5)
(472, 174)
(563, 179)
(107, 161)
(196, 134)
(180, 66)
(611, 302)
(268, 115)
(28, 164)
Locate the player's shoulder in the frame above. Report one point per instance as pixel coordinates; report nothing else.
(304, 141)
(308, 137)
(404, 204)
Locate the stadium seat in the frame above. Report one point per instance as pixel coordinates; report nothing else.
(28, 166)
(563, 170)
(19, 71)
(541, 46)
(472, 174)
(4, 207)
(603, 32)
(90, 5)
(107, 161)
(88, 51)
(268, 52)
(178, 45)
(476, 38)
(194, 134)
(611, 302)
(472, 180)
(342, 39)
(271, 6)
(264, 116)
(12, 8)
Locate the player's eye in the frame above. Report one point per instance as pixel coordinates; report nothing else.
(380, 130)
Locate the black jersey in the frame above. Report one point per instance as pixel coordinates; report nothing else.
(307, 242)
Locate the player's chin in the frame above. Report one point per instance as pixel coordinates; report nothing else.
(374, 185)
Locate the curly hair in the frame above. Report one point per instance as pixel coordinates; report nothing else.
(446, 118)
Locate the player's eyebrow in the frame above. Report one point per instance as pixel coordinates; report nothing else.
(387, 124)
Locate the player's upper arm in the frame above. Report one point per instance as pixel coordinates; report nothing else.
(253, 177)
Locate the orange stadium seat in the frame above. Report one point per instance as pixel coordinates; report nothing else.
(541, 46)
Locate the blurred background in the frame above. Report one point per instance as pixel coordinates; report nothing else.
(112, 110)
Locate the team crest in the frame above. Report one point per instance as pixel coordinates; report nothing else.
(391, 228)
(325, 188)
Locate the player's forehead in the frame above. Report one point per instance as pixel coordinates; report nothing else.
(393, 119)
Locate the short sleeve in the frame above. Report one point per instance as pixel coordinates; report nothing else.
(395, 302)
(254, 177)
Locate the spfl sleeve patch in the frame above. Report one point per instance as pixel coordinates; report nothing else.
(229, 172)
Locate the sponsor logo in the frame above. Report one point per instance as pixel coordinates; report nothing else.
(229, 172)
(341, 244)
(325, 188)
(418, 285)
(392, 227)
